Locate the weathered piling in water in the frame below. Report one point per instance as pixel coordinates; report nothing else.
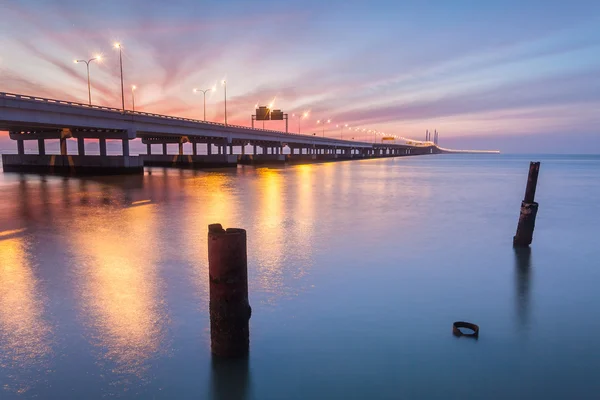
(529, 209)
(228, 276)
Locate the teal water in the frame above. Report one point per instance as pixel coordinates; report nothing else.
(357, 271)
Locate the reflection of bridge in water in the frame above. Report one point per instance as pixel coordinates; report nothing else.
(212, 144)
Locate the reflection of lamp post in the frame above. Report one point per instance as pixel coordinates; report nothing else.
(133, 87)
(204, 93)
(225, 91)
(118, 46)
(87, 64)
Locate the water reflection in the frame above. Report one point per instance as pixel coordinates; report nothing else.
(209, 199)
(24, 333)
(230, 379)
(268, 247)
(523, 284)
(117, 253)
(303, 219)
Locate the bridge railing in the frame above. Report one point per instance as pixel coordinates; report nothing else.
(130, 112)
(169, 117)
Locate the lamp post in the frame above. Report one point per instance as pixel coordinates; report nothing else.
(342, 132)
(133, 87)
(300, 119)
(319, 122)
(118, 46)
(204, 93)
(225, 91)
(87, 64)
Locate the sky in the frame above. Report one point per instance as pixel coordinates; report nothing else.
(518, 76)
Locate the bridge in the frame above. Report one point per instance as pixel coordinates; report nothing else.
(41, 119)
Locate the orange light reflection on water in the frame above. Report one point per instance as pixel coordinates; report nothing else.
(210, 199)
(303, 220)
(268, 247)
(24, 333)
(119, 283)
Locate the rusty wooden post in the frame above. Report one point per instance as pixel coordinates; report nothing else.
(228, 276)
(529, 209)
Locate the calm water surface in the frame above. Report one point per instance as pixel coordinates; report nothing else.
(357, 271)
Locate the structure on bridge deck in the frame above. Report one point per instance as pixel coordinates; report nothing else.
(39, 119)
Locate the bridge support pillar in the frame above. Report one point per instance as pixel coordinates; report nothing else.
(195, 148)
(102, 143)
(20, 147)
(63, 146)
(125, 143)
(164, 146)
(209, 148)
(253, 149)
(180, 148)
(148, 148)
(41, 147)
(81, 146)
(230, 149)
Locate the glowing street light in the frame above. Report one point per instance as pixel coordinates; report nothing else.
(133, 87)
(342, 131)
(323, 122)
(213, 89)
(87, 64)
(118, 46)
(305, 115)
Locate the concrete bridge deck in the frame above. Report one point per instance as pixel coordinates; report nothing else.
(40, 119)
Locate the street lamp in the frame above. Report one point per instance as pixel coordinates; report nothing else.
(342, 132)
(225, 88)
(133, 87)
(87, 64)
(319, 122)
(213, 89)
(305, 115)
(118, 46)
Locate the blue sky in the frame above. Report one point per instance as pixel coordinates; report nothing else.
(484, 73)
